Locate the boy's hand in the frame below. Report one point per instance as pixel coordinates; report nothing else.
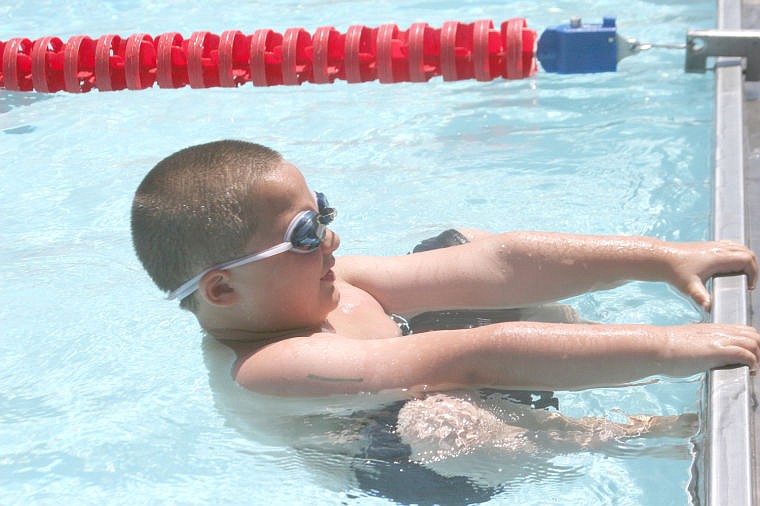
(693, 263)
(710, 345)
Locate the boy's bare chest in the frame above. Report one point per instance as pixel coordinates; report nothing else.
(359, 315)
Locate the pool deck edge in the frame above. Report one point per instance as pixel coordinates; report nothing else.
(731, 452)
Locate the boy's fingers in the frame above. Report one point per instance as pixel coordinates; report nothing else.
(747, 340)
(698, 292)
(749, 267)
(751, 271)
(748, 358)
(736, 260)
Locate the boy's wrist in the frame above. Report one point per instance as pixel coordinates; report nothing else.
(665, 259)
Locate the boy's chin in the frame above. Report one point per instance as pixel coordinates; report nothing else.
(334, 295)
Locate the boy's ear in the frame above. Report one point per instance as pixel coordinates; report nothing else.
(215, 288)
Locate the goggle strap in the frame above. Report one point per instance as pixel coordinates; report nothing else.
(191, 285)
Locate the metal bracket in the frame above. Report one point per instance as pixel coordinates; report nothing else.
(743, 43)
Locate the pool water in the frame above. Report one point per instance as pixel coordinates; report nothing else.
(104, 393)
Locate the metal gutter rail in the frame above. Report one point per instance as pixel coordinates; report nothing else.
(728, 456)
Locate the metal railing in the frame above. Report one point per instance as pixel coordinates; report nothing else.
(728, 454)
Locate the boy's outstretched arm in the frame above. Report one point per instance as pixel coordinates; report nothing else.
(509, 355)
(520, 268)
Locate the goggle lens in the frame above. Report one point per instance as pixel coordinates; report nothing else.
(311, 228)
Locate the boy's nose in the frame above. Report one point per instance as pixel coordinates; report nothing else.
(331, 242)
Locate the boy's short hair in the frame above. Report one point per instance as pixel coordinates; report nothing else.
(197, 208)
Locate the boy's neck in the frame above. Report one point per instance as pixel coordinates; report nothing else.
(228, 334)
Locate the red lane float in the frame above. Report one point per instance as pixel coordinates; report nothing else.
(455, 52)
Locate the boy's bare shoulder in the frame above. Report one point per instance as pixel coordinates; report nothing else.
(320, 363)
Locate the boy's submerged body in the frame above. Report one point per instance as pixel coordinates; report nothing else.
(303, 322)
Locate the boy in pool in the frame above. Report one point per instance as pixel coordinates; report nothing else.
(231, 230)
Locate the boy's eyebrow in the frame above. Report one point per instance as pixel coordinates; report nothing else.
(338, 380)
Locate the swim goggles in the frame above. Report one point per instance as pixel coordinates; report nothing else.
(305, 233)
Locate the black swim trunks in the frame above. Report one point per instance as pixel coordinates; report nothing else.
(384, 469)
(450, 237)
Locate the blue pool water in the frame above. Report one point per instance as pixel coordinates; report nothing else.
(104, 393)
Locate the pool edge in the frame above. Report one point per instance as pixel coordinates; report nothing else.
(728, 460)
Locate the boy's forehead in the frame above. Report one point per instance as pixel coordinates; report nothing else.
(283, 187)
(290, 172)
